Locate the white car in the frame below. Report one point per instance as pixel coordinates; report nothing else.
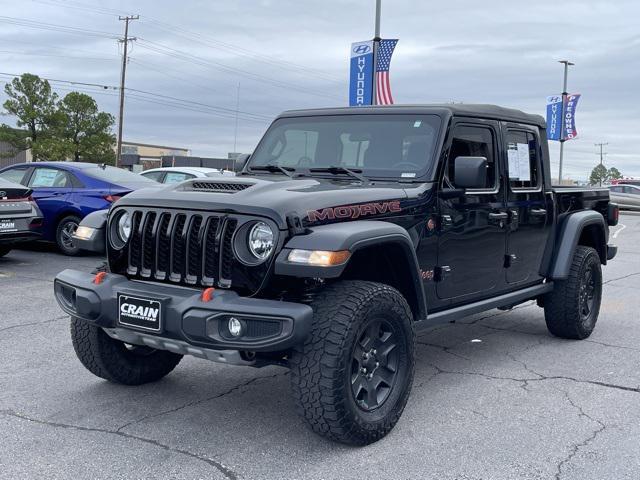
(180, 174)
(626, 196)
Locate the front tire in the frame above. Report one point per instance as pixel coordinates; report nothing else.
(64, 235)
(352, 377)
(571, 309)
(116, 361)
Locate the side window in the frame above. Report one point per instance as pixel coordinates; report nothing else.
(177, 177)
(153, 175)
(615, 189)
(14, 175)
(523, 161)
(49, 178)
(473, 141)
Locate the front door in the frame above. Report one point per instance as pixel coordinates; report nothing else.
(529, 214)
(471, 245)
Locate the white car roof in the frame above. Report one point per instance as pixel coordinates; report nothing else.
(194, 170)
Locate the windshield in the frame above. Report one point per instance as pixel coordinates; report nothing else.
(115, 175)
(395, 145)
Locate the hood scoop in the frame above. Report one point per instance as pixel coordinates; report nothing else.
(216, 186)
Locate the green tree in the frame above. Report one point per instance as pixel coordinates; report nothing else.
(86, 132)
(614, 174)
(599, 174)
(33, 102)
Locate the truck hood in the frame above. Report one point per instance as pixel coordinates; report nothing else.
(313, 200)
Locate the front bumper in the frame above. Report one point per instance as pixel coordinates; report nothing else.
(189, 324)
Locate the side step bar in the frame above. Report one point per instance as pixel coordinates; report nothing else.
(511, 298)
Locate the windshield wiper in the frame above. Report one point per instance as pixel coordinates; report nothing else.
(335, 170)
(274, 168)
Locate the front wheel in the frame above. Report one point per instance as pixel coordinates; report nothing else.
(116, 361)
(571, 309)
(352, 377)
(64, 235)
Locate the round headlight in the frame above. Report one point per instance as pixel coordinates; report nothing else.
(261, 240)
(124, 227)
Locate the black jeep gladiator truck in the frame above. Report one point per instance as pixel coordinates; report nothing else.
(347, 233)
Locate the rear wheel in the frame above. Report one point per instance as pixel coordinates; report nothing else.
(116, 361)
(64, 235)
(352, 377)
(4, 250)
(571, 309)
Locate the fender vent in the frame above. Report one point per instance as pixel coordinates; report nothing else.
(220, 187)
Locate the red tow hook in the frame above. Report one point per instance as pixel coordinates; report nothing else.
(99, 278)
(207, 294)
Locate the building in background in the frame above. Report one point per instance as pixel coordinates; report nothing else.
(149, 150)
(8, 156)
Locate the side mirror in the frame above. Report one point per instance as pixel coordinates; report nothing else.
(241, 161)
(470, 172)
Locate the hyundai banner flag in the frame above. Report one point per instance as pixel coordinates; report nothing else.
(569, 116)
(361, 79)
(554, 117)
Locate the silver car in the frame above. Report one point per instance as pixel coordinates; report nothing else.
(626, 196)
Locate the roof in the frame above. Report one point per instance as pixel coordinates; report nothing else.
(138, 144)
(72, 165)
(183, 169)
(465, 110)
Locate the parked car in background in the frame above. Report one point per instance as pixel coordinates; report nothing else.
(170, 175)
(20, 217)
(626, 196)
(67, 191)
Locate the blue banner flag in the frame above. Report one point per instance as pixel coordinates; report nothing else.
(554, 117)
(569, 116)
(361, 79)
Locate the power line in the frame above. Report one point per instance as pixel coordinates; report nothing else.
(56, 28)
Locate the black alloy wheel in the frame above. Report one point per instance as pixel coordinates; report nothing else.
(374, 365)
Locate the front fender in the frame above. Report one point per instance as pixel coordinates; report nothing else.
(352, 236)
(96, 242)
(568, 237)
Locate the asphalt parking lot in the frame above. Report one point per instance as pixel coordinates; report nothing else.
(495, 397)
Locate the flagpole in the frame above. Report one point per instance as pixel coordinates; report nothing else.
(376, 45)
(564, 101)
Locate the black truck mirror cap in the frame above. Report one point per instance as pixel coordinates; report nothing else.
(470, 172)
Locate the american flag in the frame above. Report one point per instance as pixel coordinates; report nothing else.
(383, 87)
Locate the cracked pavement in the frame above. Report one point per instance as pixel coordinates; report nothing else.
(494, 397)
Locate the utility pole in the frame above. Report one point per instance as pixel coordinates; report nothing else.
(125, 41)
(564, 101)
(376, 45)
(601, 145)
(235, 133)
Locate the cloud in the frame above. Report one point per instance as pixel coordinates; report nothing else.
(291, 54)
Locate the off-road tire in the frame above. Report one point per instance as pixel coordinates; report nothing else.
(563, 307)
(61, 230)
(322, 367)
(113, 360)
(4, 250)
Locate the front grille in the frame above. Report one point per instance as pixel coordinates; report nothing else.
(220, 187)
(187, 248)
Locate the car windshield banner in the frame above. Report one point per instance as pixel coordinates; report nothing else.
(569, 122)
(554, 117)
(361, 79)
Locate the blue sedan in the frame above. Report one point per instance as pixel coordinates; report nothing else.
(68, 191)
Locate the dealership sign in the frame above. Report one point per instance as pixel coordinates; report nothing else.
(561, 117)
(361, 78)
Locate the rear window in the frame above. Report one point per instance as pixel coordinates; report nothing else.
(115, 175)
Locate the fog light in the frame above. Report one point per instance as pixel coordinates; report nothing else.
(235, 327)
(84, 233)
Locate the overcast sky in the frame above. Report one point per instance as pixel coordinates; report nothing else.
(288, 54)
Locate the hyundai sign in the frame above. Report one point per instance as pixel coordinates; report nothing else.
(361, 79)
(554, 117)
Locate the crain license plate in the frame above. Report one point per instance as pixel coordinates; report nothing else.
(139, 312)
(7, 225)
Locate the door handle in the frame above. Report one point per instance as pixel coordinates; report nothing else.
(499, 216)
(538, 212)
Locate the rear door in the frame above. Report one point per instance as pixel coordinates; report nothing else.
(529, 214)
(471, 244)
